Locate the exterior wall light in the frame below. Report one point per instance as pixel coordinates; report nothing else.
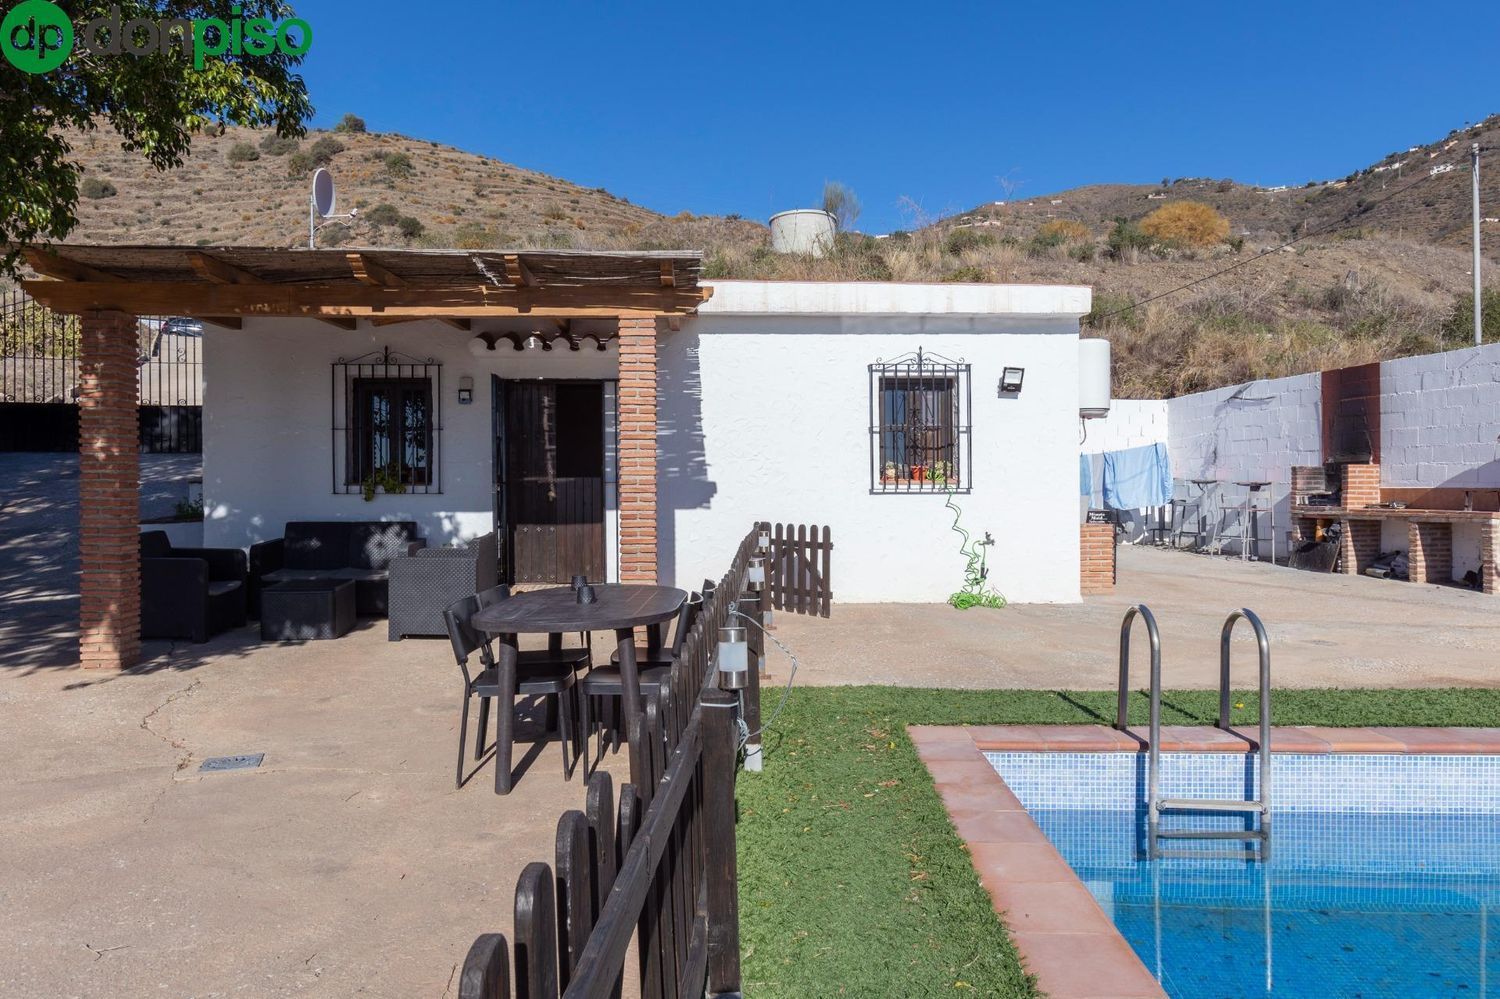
(1010, 380)
(465, 390)
(734, 659)
(755, 574)
(533, 342)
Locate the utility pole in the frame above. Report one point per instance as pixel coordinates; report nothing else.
(1478, 288)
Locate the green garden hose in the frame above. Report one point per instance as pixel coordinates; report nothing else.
(976, 592)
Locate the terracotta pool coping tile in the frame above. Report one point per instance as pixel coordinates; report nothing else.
(976, 826)
(1000, 738)
(1020, 863)
(1087, 739)
(975, 770)
(1349, 740)
(1086, 966)
(1049, 907)
(938, 734)
(1444, 741)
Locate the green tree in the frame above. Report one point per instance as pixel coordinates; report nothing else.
(1458, 328)
(155, 103)
(350, 123)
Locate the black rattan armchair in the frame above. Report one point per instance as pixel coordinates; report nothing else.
(190, 593)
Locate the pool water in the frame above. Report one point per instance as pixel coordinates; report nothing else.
(1373, 926)
(1383, 877)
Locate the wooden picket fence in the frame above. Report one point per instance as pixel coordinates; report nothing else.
(799, 571)
(657, 866)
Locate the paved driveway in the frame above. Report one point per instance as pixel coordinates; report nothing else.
(39, 548)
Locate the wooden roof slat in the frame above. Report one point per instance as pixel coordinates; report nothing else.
(49, 264)
(213, 269)
(520, 275)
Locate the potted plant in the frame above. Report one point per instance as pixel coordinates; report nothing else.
(919, 473)
(386, 479)
(891, 473)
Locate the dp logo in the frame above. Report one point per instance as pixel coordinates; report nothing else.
(36, 36)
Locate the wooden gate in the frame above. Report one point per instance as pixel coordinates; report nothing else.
(800, 567)
(549, 467)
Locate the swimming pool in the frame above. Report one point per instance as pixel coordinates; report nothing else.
(1382, 879)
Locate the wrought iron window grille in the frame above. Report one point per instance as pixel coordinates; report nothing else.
(921, 414)
(387, 423)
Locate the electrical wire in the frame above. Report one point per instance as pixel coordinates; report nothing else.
(1094, 321)
(785, 693)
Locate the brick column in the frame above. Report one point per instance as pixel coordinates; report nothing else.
(1430, 552)
(1360, 486)
(1097, 559)
(108, 492)
(1358, 546)
(1489, 551)
(637, 400)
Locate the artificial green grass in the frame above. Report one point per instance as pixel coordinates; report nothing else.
(852, 880)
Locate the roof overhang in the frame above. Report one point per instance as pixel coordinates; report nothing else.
(348, 284)
(890, 298)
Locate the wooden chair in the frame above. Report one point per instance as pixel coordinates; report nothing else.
(653, 667)
(547, 673)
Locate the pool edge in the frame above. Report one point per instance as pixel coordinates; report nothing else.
(1064, 938)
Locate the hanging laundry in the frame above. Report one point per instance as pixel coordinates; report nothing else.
(1137, 478)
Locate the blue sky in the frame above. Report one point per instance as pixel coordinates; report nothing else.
(748, 108)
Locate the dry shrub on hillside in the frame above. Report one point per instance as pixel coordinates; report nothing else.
(1186, 223)
(1065, 229)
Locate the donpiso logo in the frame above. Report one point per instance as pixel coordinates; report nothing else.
(36, 36)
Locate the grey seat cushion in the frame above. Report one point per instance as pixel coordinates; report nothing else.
(360, 575)
(216, 589)
(281, 575)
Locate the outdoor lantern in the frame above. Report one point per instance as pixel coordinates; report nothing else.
(755, 574)
(465, 390)
(763, 542)
(1010, 380)
(734, 659)
(533, 342)
(480, 345)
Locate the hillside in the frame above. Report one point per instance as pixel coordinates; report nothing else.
(1380, 267)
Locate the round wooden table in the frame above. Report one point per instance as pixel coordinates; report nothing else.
(617, 607)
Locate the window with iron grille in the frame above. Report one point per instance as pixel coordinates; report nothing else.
(391, 423)
(920, 413)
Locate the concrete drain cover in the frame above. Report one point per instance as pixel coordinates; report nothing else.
(246, 761)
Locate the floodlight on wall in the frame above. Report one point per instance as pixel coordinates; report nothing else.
(734, 659)
(1011, 379)
(481, 345)
(465, 390)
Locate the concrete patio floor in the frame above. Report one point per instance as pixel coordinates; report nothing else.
(347, 864)
(1326, 631)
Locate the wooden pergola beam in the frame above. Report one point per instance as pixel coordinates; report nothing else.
(352, 300)
(49, 264)
(367, 271)
(668, 274)
(519, 274)
(216, 271)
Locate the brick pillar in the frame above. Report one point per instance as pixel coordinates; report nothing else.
(1360, 486)
(108, 492)
(1489, 551)
(1430, 552)
(637, 400)
(1358, 546)
(1307, 479)
(1097, 559)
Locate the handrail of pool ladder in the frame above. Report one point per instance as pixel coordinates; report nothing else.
(1123, 704)
(1263, 641)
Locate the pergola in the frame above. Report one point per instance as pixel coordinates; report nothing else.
(109, 286)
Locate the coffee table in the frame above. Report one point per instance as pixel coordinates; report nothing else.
(299, 610)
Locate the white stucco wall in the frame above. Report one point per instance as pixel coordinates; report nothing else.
(267, 417)
(783, 400)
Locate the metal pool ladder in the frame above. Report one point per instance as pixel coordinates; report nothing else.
(1260, 807)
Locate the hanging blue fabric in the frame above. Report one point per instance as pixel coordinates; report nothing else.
(1085, 475)
(1137, 478)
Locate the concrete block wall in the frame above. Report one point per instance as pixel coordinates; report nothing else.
(1440, 419)
(1251, 432)
(1130, 423)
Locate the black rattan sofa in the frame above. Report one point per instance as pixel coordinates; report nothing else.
(357, 550)
(190, 593)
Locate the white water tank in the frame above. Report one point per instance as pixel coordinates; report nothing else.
(803, 230)
(1093, 378)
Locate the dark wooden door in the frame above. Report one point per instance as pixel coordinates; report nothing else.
(549, 466)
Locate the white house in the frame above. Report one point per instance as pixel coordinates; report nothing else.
(609, 414)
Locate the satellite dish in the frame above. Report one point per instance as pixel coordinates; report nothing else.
(322, 192)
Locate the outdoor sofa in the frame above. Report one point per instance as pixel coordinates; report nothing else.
(355, 550)
(191, 593)
(424, 583)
